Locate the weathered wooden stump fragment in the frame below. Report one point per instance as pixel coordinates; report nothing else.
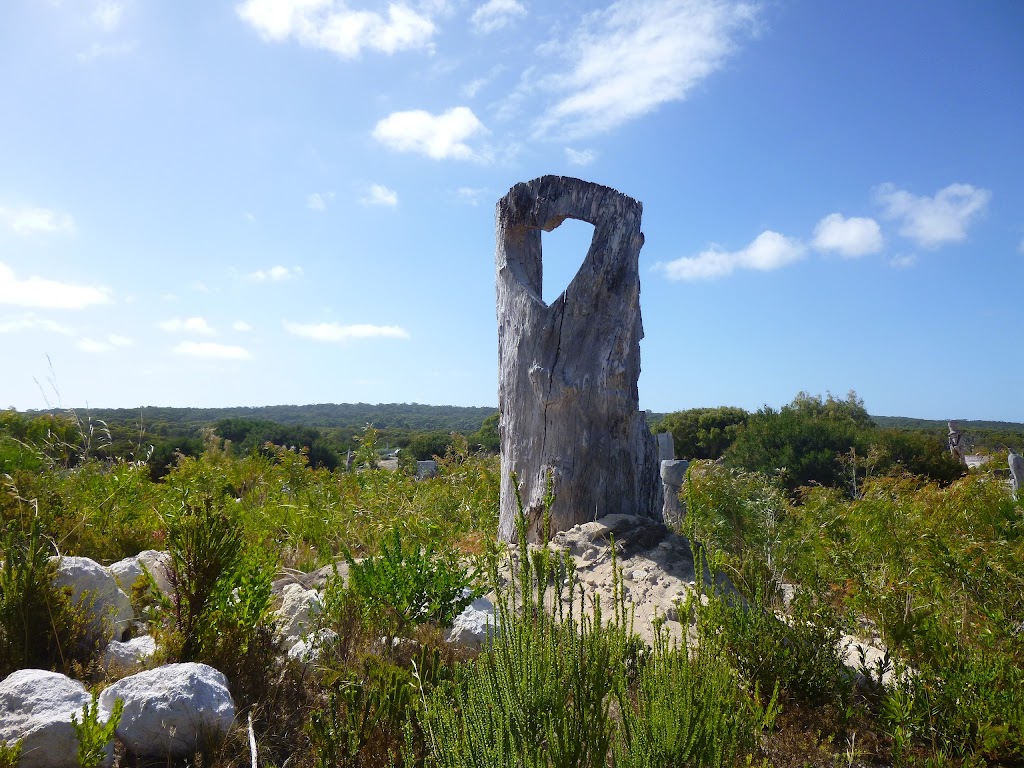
(568, 372)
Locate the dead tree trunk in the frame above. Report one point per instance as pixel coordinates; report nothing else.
(568, 372)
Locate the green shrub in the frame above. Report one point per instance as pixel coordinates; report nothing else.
(94, 736)
(800, 655)
(39, 626)
(404, 586)
(10, 754)
(689, 709)
(219, 610)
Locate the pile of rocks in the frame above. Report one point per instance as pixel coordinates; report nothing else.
(168, 713)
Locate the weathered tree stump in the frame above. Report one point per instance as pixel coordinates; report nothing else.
(568, 372)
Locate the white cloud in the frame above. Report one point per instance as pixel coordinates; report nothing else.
(471, 195)
(113, 341)
(108, 15)
(437, 136)
(850, 237)
(317, 201)
(330, 25)
(30, 322)
(472, 88)
(47, 294)
(932, 221)
(210, 350)
(903, 261)
(35, 221)
(275, 274)
(636, 55)
(200, 287)
(768, 251)
(378, 194)
(104, 51)
(241, 326)
(580, 157)
(188, 325)
(335, 332)
(495, 14)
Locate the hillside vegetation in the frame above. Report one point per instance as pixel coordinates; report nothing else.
(828, 525)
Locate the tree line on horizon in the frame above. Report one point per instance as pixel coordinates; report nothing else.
(812, 440)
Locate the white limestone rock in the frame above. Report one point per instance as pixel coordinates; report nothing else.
(299, 608)
(128, 655)
(474, 626)
(36, 707)
(310, 648)
(90, 581)
(170, 710)
(129, 570)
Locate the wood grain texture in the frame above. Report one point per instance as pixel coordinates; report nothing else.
(568, 371)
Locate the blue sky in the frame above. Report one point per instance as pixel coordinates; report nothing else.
(292, 201)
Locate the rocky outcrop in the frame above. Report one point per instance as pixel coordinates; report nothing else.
(151, 561)
(36, 708)
(297, 612)
(657, 568)
(475, 626)
(129, 654)
(568, 371)
(95, 590)
(169, 711)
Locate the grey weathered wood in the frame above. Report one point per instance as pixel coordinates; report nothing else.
(568, 372)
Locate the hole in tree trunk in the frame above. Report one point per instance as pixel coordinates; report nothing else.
(563, 250)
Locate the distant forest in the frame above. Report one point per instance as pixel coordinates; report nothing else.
(327, 431)
(407, 416)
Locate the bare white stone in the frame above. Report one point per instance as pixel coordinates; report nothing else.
(474, 626)
(36, 708)
(170, 710)
(299, 608)
(132, 653)
(93, 587)
(310, 648)
(130, 570)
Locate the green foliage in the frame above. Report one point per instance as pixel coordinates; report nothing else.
(834, 443)
(487, 438)
(24, 591)
(219, 611)
(402, 586)
(94, 736)
(39, 627)
(740, 517)
(800, 654)
(800, 443)
(356, 714)
(703, 433)
(689, 709)
(10, 754)
(542, 694)
(427, 445)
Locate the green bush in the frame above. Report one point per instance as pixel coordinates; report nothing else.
(39, 626)
(219, 610)
(404, 586)
(689, 708)
(94, 736)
